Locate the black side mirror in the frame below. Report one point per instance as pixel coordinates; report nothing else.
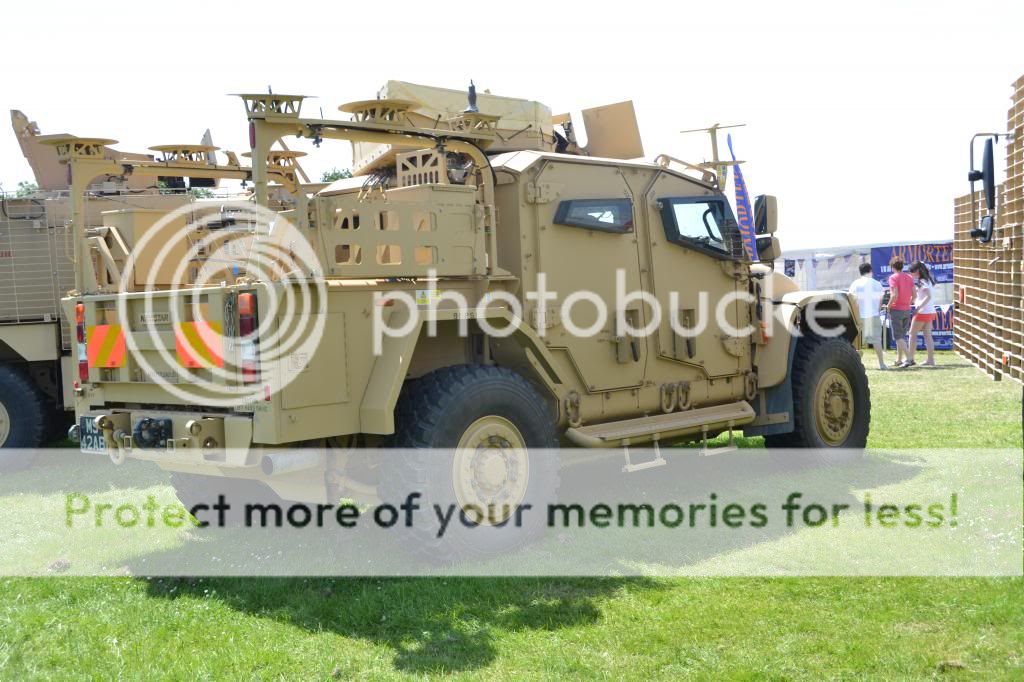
(988, 176)
(766, 214)
(983, 233)
(768, 249)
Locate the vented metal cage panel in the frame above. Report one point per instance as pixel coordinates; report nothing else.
(989, 278)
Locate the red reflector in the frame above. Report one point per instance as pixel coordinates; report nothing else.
(247, 330)
(250, 375)
(83, 371)
(247, 304)
(246, 326)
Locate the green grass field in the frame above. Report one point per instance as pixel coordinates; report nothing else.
(779, 628)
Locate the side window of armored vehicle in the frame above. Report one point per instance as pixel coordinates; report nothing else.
(701, 223)
(606, 215)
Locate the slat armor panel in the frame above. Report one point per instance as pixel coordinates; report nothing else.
(989, 320)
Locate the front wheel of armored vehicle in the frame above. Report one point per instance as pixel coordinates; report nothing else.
(831, 400)
(23, 417)
(478, 443)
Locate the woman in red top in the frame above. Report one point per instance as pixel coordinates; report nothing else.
(901, 292)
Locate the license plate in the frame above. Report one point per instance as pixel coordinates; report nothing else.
(91, 438)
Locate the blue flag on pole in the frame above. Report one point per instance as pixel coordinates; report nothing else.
(744, 215)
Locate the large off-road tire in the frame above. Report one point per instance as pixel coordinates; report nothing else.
(474, 438)
(831, 399)
(23, 419)
(195, 489)
(58, 421)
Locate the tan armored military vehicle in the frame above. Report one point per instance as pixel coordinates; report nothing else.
(37, 269)
(484, 284)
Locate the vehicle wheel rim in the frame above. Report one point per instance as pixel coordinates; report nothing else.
(5, 425)
(490, 471)
(833, 406)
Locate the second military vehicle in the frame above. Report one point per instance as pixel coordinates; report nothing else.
(37, 269)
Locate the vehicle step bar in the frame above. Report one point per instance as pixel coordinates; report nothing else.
(662, 426)
(631, 466)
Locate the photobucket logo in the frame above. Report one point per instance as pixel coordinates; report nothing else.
(633, 314)
(208, 343)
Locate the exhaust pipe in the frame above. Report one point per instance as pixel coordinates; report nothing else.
(293, 460)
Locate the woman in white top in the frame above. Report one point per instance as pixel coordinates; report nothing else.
(924, 313)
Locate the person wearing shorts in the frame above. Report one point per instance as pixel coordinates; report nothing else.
(924, 314)
(901, 293)
(868, 293)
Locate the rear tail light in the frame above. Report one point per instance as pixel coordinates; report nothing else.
(248, 327)
(246, 314)
(83, 357)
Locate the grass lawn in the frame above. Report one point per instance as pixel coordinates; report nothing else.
(134, 628)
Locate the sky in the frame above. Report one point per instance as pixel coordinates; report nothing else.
(858, 117)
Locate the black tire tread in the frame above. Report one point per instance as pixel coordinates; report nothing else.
(808, 347)
(29, 413)
(420, 409)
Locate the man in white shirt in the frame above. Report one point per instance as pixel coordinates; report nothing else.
(868, 292)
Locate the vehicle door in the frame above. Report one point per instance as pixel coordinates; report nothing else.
(586, 240)
(696, 251)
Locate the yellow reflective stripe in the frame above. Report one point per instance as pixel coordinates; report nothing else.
(105, 345)
(108, 345)
(195, 343)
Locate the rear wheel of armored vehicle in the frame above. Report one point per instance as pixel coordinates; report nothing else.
(831, 401)
(478, 442)
(194, 490)
(23, 418)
